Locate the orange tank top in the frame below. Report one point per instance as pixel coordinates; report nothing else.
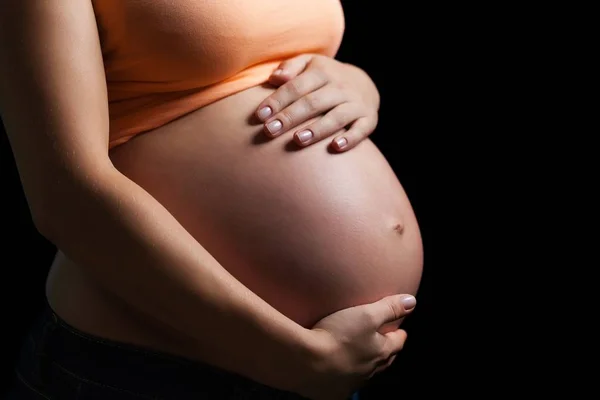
(165, 58)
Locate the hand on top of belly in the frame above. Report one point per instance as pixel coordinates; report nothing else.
(314, 85)
(354, 344)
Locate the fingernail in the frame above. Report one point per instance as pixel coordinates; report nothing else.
(305, 136)
(278, 71)
(264, 112)
(274, 126)
(409, 302)
(341, 142)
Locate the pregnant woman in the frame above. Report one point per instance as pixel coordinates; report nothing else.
(225, 227)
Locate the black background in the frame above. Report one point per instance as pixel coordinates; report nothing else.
(419, 67)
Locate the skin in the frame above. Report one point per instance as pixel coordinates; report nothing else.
(313, 85)
(84, 200)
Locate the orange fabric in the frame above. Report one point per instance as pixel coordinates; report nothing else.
(165, 58)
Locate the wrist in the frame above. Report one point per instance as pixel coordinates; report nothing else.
(312, 355)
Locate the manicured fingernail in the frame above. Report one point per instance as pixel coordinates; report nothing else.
(264, 112)
(274, 126)
(278, 71)
(341, 142)
(305, 136)
(409, 302)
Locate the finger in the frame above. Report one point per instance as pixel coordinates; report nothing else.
(289, 92)
(360, 130)
(308, 106)
(394, 343)
(332, 122)
(391, 308)
(391, 326)
(384, 365)
(290, 69)
(391, 360)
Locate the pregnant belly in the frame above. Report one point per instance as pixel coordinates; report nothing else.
(309, 231)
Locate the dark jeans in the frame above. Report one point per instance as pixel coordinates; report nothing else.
(59, 362)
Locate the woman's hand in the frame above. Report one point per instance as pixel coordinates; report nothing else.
(314, 85)
(353, 344)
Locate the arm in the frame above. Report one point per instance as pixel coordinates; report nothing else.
(54, 105)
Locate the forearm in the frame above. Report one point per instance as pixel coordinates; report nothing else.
(132, 246)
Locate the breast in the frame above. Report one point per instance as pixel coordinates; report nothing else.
(166, 43)
(309, 231)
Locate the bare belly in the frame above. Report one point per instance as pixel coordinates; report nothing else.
(309, 231)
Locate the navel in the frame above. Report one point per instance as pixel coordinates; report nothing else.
(399, 228)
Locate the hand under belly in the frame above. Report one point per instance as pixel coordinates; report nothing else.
(309, 231)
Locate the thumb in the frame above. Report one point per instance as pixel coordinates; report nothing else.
(290, 69)
(392, 308)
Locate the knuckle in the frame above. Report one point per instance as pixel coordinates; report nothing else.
(327, 124)
(369, 316)
(385, 353)
(323, 75)
(339, 118)
(316, 60)
(286, 117)
(275, 103)
(293, 88)
(395, 309)
(361, 108)
(400, 345)
(323, 64)
(391, 351)
(312, 102)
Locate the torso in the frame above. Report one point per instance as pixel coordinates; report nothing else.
(309, 231)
